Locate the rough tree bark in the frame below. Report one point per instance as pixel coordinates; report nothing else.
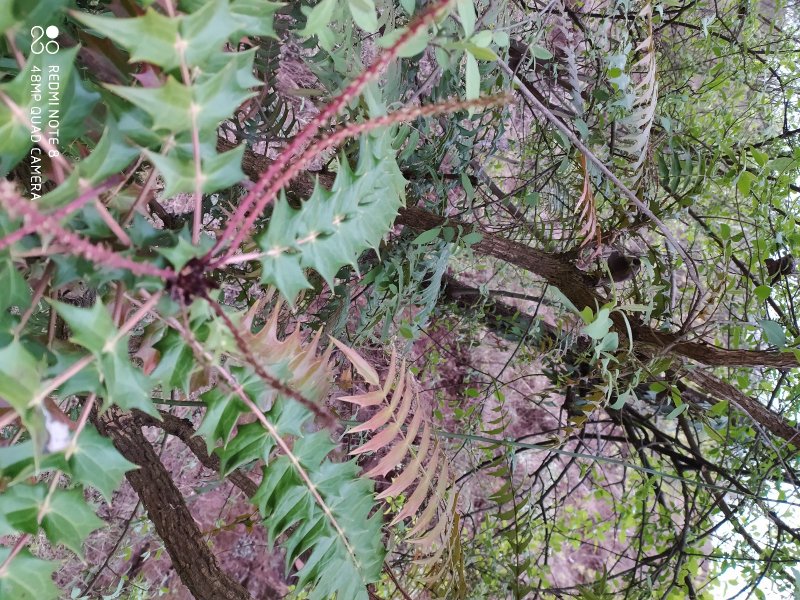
(576, 286)
(191, 556)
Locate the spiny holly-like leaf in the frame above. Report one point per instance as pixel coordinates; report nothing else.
(17, 463)
(97, 463)
(68, 519)
(219, 171)
(222, 413)
(20, 374)
(168, 105)
(91, 327)
(27, 577)
(216, 96)
(336, 566)
(126, 385)
(151, 38)
(193, 38)
(19, 506)
(331, 229)
(293, 360)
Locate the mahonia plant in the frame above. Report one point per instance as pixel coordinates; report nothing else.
(100, 309)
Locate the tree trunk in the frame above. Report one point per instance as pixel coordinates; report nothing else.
(191, 556)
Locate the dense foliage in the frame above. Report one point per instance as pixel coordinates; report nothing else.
(358, 256)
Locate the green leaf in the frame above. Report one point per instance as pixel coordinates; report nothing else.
(763, 292)
(408, 6)
(20, 506)
(472, 238)
(426, 237)
(319, 18)
(216, 97)
(774, 332)
(16, 132)
(744, 182)
(20, 375)
(677, 411)
(331, 229)
(466, 12)
(364, 14)
(126, 385)
(151, 38)
(27, 577)
(252, 442)
(482, 39)
(480, 53)
(91, 327)
(719, 409)
(601, 325)
(542, 53)
(13, 289)
(472, 78)
(182, 252)
(502, 39)
(622, 399)
(761, 158)
(96, 462)
(287, 508)
(222, 413)
(255, 17)
(68, 520)
(205, 31)
(218, 171)
(412, 47)
(169, 105)
(176, 365)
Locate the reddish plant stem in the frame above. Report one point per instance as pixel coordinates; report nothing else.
(62, 212)
(338, 136)
(76, 245)
(254, 204)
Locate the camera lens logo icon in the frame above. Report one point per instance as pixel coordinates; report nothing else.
(50, 46)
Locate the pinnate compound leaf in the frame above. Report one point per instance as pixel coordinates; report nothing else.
(424, 467)
(285, 503)
(332, 228)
